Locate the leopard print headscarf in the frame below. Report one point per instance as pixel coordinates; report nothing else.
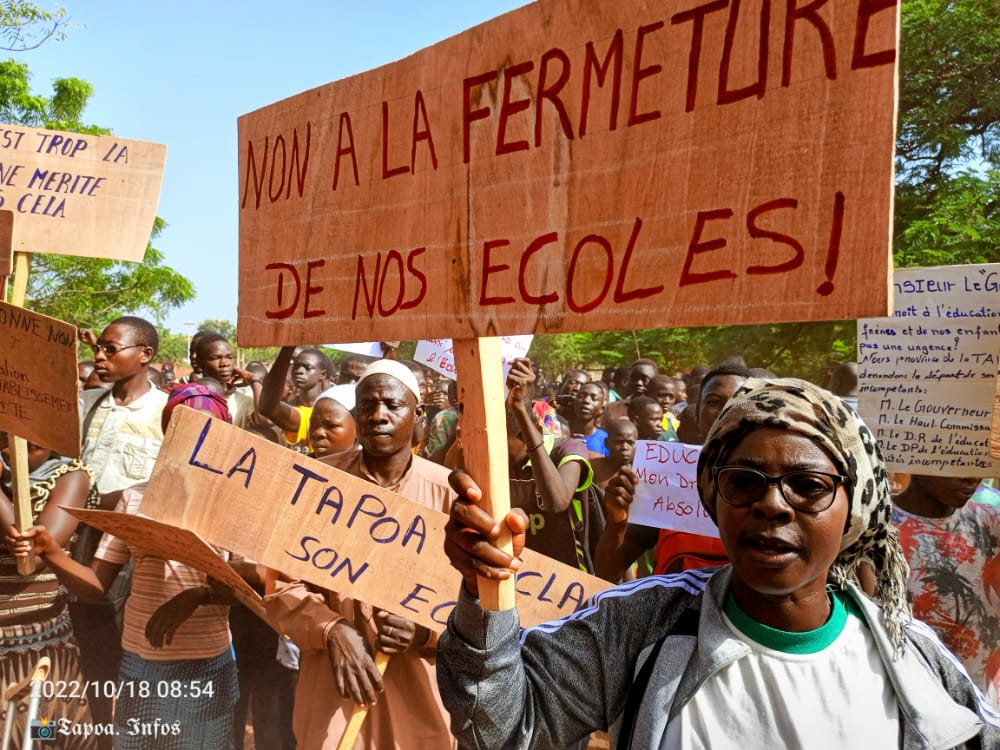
(804, 408)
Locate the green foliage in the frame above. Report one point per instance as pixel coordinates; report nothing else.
(173, 347)
(948, 150)
(806, 350)
(91, 292)
(26, 26)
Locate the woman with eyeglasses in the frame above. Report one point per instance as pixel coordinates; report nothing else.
(780, 648)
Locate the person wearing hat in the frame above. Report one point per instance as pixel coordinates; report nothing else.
(339, 636)
(779, 648)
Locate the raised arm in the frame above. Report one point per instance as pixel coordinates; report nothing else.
(270, 404)
(622, 543)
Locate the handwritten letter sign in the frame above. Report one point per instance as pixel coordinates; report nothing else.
(38, 379)
(316, 523)
(76, 194)
(581, 166)
(667, 494)
(927, 375)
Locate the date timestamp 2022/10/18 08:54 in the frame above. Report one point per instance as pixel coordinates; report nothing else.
(83, 689)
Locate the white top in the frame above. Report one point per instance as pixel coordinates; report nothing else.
(839, 697)
(121, 442)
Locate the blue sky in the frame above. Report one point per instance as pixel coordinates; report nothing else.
(181, 73)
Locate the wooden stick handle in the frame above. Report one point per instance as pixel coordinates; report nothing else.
(361, 712)
(22, 496)
(484, 441)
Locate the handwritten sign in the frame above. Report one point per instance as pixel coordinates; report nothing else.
(76, 194)
(313, 522)
(927, 375)
(171, 543)
(439, 354)
(38, 379)
(667, 494)
(581, 166)
(6, 245)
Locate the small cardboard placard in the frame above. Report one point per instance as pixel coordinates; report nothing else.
(76, 194)
(927, 375)
(38, 380)
(439, 354)
(168, 542)
(313, 522)
(667, 494)
(578, 166)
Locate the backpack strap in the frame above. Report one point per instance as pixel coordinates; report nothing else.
(686, 624)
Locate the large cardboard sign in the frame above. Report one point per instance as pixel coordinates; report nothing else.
(667, 494)
(6, 245)
(313, 522)
(927, 375)
(38, 379)
(578, 166)
(76, 194)
(171, 543)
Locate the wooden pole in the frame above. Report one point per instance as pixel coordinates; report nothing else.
(19, 446)
(484, 441)
(361, 712)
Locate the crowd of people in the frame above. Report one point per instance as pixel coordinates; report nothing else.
(795, 621)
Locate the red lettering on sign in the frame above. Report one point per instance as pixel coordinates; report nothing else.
(727, 95)
(808, 13)
(470, 115)
(550, 93)
(312, 290)
(509, 107)
(860, 58)
(489, 269)
(697, 247)
(600, 73)
(392, 270)
(697, 17)
(345, 149)
(533, 248)
(758, 233)
(639, 73)
(284, 312)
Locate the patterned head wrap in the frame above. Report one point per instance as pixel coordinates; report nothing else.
(806, 409)
(197, 397)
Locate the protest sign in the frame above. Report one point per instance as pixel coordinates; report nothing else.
(168, 542)
(77, 194)
(38, 379)
(439, 354)
(6, 249)
(581, 166)
(666, 496)
(313, 522)
(927, 375)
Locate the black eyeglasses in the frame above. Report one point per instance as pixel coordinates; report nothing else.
(111, 350)
(805, 490)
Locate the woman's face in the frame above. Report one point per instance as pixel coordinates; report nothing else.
(776, 551)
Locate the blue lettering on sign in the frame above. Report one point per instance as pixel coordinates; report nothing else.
(326, 558)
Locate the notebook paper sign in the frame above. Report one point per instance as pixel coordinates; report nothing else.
(667, 494)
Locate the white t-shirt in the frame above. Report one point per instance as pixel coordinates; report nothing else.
(836, 697)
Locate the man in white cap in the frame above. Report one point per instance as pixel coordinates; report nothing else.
(339, 636)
